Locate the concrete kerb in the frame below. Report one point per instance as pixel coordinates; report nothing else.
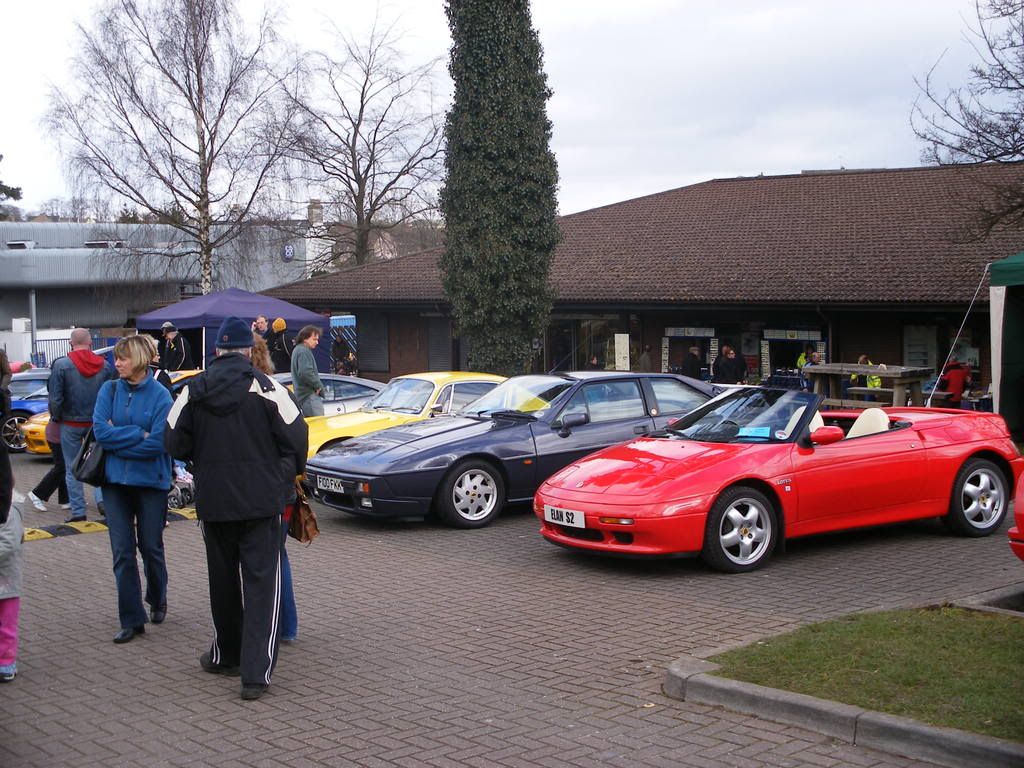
(690, 679)
(986, 601)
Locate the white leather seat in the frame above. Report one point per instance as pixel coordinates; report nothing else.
(870, 422)
(816, 421)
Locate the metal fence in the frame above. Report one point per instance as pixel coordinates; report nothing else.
(48, 350)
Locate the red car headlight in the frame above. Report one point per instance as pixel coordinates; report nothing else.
(683, 507)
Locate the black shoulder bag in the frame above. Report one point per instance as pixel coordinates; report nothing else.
(89, 464)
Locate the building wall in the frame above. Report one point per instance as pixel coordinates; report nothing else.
(882, 335)
(79, 285)
(844, 333)
(89, 307)
(873, 334)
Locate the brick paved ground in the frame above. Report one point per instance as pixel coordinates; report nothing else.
(422, 646)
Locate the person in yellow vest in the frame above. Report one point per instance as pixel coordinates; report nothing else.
(865, 380)
(804, 357)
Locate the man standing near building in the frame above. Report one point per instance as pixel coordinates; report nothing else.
(644, 364)
(305, 377)
(731, 368)
(248, 441)
(73, 385)
(175, 354)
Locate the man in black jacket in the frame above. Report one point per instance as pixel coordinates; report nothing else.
(175, 353)
(248, 441)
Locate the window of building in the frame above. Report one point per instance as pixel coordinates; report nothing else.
(439, 344)
(919, 346)
(372, 332)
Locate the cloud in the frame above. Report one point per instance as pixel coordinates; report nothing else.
(648, 94)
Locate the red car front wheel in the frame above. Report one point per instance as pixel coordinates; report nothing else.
(741, 531)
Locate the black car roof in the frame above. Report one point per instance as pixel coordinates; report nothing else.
(581, 375)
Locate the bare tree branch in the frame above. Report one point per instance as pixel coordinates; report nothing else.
(177, 112)
(983, 121)
(369, 139)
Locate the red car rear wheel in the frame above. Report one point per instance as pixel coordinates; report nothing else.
(980, 499)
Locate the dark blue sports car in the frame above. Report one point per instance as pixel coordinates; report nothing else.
(501, 447)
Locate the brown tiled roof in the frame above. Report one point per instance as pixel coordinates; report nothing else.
(413, 279)
(880, 236)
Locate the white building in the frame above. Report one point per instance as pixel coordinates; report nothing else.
(104, 275)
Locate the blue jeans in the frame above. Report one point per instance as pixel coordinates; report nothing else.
(135, 518)
(289, 614)
(71, 439)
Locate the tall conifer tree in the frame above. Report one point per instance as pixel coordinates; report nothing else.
(498, 198)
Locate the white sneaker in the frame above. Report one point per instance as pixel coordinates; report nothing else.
(65, 506)
(18, 497)
(36, 502)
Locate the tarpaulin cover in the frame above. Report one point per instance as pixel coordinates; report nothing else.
(208, 312)
(1008, 271)
(1006, 301)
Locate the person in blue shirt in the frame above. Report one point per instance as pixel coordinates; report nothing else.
(129, 422)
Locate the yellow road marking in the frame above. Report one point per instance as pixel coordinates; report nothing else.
(87, 527)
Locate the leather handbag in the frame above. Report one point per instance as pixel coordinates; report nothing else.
(89, 463)
(302, 526)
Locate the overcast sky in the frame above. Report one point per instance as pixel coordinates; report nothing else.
(649, 95)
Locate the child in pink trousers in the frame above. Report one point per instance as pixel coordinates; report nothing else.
(11, 534)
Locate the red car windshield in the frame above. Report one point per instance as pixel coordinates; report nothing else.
(747, 415)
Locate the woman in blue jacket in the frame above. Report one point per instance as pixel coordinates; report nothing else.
(129, 423)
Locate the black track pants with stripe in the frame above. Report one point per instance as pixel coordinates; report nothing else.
(244, 562)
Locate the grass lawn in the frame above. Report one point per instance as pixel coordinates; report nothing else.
(945, 666)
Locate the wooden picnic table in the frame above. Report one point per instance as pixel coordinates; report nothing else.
(898, 382)
(939, 398)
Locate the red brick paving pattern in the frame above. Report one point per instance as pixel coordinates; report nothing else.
(422, 646)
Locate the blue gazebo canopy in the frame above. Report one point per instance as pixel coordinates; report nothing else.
(208, 312)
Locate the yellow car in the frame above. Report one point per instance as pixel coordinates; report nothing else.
(34, 428)
(405, 399)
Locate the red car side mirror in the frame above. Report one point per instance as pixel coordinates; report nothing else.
(827, 435)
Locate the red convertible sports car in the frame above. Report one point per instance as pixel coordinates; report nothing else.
(734, 477)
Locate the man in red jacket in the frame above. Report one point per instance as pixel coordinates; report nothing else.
(956, 379)
(73, 385)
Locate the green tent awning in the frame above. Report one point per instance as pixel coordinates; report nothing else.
(1008, 271)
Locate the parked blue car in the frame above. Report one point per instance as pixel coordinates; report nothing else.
(28, 397)
(465, 468)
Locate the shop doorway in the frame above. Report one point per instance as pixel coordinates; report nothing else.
(679, 351)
